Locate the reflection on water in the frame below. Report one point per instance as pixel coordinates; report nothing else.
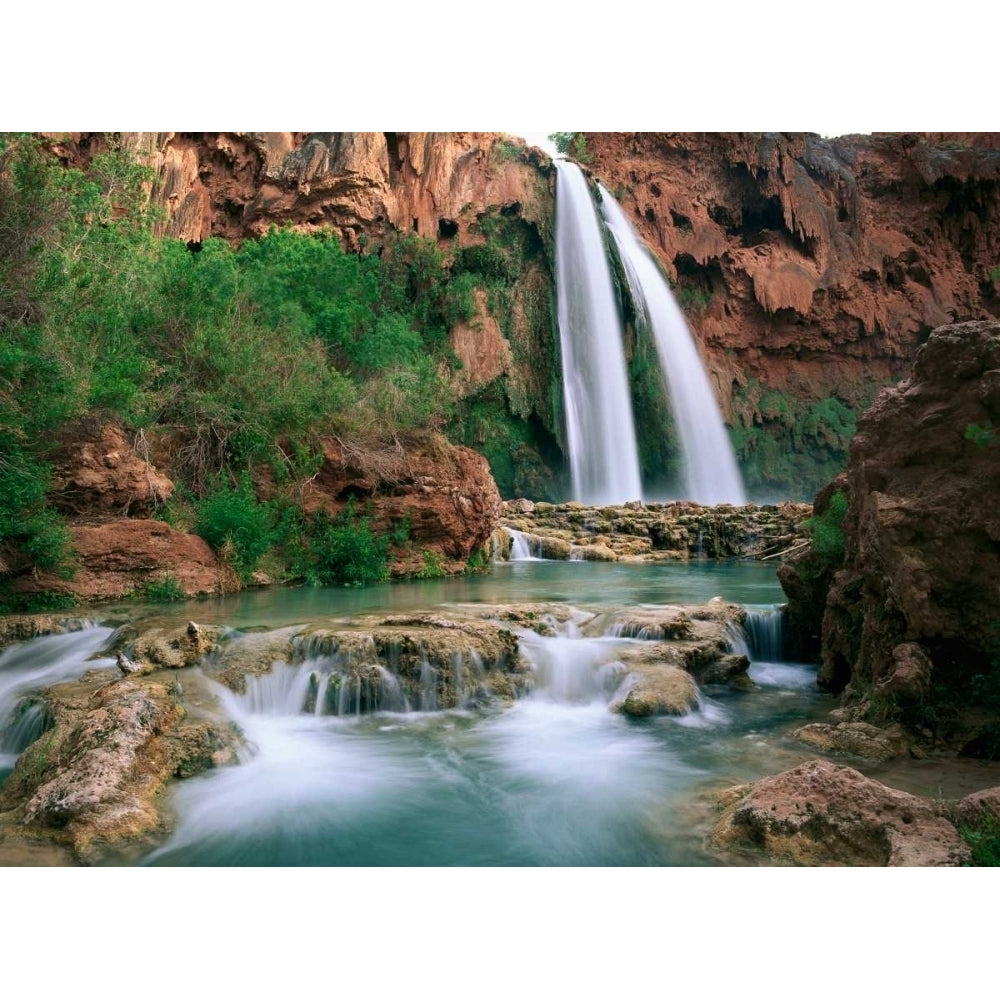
(507, 583)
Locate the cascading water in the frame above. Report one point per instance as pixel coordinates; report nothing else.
(710, 469)
(766, 631)
(761, 641)
(30, 667)
(522, 547)
(604, 458)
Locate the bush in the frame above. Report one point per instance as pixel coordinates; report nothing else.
(345, 551)
(234, 521)
(164, 591)
(984, 839)
(827, 529)
(488, 259)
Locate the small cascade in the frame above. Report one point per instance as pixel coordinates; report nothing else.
(572, 669)
(711, 473)
(761, 641)
(600, 431)
(765, 630)
(523, 548)
(29, 667)
(428, 687)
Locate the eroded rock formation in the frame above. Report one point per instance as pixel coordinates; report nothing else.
(811, 269)
(910, 624)
(443, 493)
(652, 532)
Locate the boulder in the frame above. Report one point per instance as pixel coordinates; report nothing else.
(823, 814)
(120, 557)
(97, 469)
(857, 738)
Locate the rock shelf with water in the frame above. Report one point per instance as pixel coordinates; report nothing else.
(648, 532)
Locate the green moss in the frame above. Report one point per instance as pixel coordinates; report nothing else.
(827, 530)
(789, 447)
(984, 840)
(981, 436)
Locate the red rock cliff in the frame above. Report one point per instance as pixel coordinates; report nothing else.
(814, 266)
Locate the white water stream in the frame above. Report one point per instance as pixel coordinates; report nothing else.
(711, 473)
(604, 458)
(29, 667)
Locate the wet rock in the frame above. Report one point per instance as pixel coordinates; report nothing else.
(95, 776)
(18, 628)
(656, 689)
(858, 738)
(822, 814)
(665, 622)
(657, 532)
(176, 648)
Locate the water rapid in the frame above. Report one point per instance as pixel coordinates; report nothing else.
(604, 458)
(711, 473)
(28, 668)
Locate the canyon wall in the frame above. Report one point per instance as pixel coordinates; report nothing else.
(811, 269)
(907, 607)
(486, 199)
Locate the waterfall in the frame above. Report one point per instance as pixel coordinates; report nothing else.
(765, 630)
(604, 458)
(762, 636)
(522, 547)
(710, 469)
(28, 667)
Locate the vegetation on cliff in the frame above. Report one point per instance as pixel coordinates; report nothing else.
(235, 357)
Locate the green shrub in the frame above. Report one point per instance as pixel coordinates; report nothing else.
(345, 551)
(432, 568)
(164, 591)
(984, 839)
(981, 436)
(234, 521)
(571, 144)
(506, 151)
(46, 600)
(490, 260)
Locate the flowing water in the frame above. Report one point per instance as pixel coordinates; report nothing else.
(340, 767)
(556, 779)
(711, 473)
(600, 432)
(28, 668)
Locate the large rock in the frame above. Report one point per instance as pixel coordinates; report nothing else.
(910, 622)
(822, 814)
(96, 776)
(98, 470)
(445, 493)
(121, 557)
